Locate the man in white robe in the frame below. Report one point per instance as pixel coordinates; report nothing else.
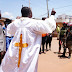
(22, 54)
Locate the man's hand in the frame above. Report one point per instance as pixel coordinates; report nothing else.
(53, 12)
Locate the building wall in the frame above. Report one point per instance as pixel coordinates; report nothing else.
(59, 23)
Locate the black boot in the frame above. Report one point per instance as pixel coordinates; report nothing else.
(64, 52)
(69, 56)
(63, 55)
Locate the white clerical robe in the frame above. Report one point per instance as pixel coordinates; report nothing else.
(30, 30)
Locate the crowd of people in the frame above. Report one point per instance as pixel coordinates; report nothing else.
(24, 37)
(46, 39)
(6, 39)
(65, 38)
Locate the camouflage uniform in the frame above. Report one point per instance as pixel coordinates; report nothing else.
(62, 38)
(69, 40)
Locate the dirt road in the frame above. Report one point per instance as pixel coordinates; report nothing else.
(50, 62)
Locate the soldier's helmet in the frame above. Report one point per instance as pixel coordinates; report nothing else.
(65, 23)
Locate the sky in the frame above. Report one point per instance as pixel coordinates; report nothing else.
(12, 8)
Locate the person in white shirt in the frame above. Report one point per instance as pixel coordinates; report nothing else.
(22, 55)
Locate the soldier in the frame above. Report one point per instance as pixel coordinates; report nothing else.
(69, 40)
(62, 38)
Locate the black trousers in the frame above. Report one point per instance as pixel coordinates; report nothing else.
(48, 41)
(43, 43)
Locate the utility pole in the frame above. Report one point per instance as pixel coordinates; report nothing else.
(0, 14)
(47, 8)
(29, 3)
